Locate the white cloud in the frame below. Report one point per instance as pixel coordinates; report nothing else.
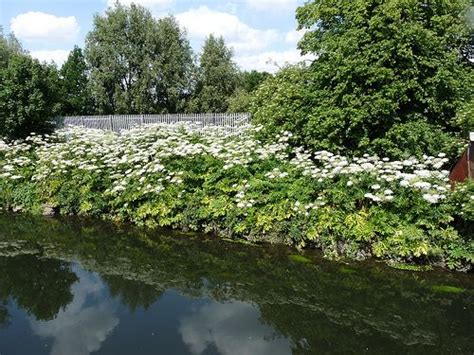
(232, 328)
(59, 56)
(203, 21)
(272, 5)
(293, 37)
(31, 26)
(271, 61)
(82, 326)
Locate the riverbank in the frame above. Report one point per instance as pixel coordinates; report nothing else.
(238, 187)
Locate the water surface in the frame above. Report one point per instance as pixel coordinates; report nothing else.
(69, 286)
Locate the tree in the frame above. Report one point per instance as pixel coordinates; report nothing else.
(29, 92)
(138, 64)
(77, 99)
(285, 101)
(248, 83)
(175, 67)
(217, 76)
(383, 68)
(240, 101)
(9, 45)
(251, 80)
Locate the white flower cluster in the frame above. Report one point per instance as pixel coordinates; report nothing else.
(276, 173)
(240, 199)
(138, 160)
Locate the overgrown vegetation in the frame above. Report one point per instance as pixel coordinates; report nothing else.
(390, 78)
(238, 187)
(392, 85)
(29, 92)
(132, 63)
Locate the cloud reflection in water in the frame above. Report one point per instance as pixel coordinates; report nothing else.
(82, 326)
(233, 328)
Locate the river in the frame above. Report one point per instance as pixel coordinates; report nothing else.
(75, 287)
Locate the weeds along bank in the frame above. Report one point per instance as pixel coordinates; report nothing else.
(236, 186)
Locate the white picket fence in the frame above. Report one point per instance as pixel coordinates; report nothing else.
(117, 123)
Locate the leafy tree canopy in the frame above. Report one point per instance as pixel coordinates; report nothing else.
(383, 68)
(217, 76)
(76, 94)
(29, 92)
(138, 64)
(250, 80)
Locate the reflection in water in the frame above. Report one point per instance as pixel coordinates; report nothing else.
(232, 328)
(226, 298)
(40, 286)
(81, 327)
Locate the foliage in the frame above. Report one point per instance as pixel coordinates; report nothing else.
(138, 64)
(240, 101)
(217, 77)
(176, 70)
(382, 67)
(9, 45)
(29, 97)
(249, 81)
(77, 98)
(236, 186)
(285, 101)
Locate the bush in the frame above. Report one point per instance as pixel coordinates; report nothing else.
(29, 97)
(236, 186)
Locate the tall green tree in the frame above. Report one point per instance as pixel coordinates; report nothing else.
(77, 98)
(175, 67)
(29, 92)
(137, 64)
(389, 75)
(217, 76)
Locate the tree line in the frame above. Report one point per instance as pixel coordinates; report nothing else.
(393, 77)
(132, 63)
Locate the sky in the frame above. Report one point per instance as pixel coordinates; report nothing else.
(262, 33)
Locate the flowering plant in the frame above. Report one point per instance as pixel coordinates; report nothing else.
(232, 184)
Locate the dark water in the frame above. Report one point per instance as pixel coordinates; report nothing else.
(76, 287)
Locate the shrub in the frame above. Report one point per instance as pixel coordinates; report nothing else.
(236, 186)
(29, 97)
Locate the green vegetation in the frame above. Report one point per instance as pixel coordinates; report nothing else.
(29, 92)
(402, 266)
(77, 97)
(447, 289)
(132, 63)
(299, 258)
(346, 154)
(389, 78)
(138, 64)
(217, 77)
(238, 187)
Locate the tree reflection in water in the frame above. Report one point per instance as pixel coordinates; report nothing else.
(39, 286)
(254, 299)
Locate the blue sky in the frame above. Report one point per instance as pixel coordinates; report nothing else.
(261, 32)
